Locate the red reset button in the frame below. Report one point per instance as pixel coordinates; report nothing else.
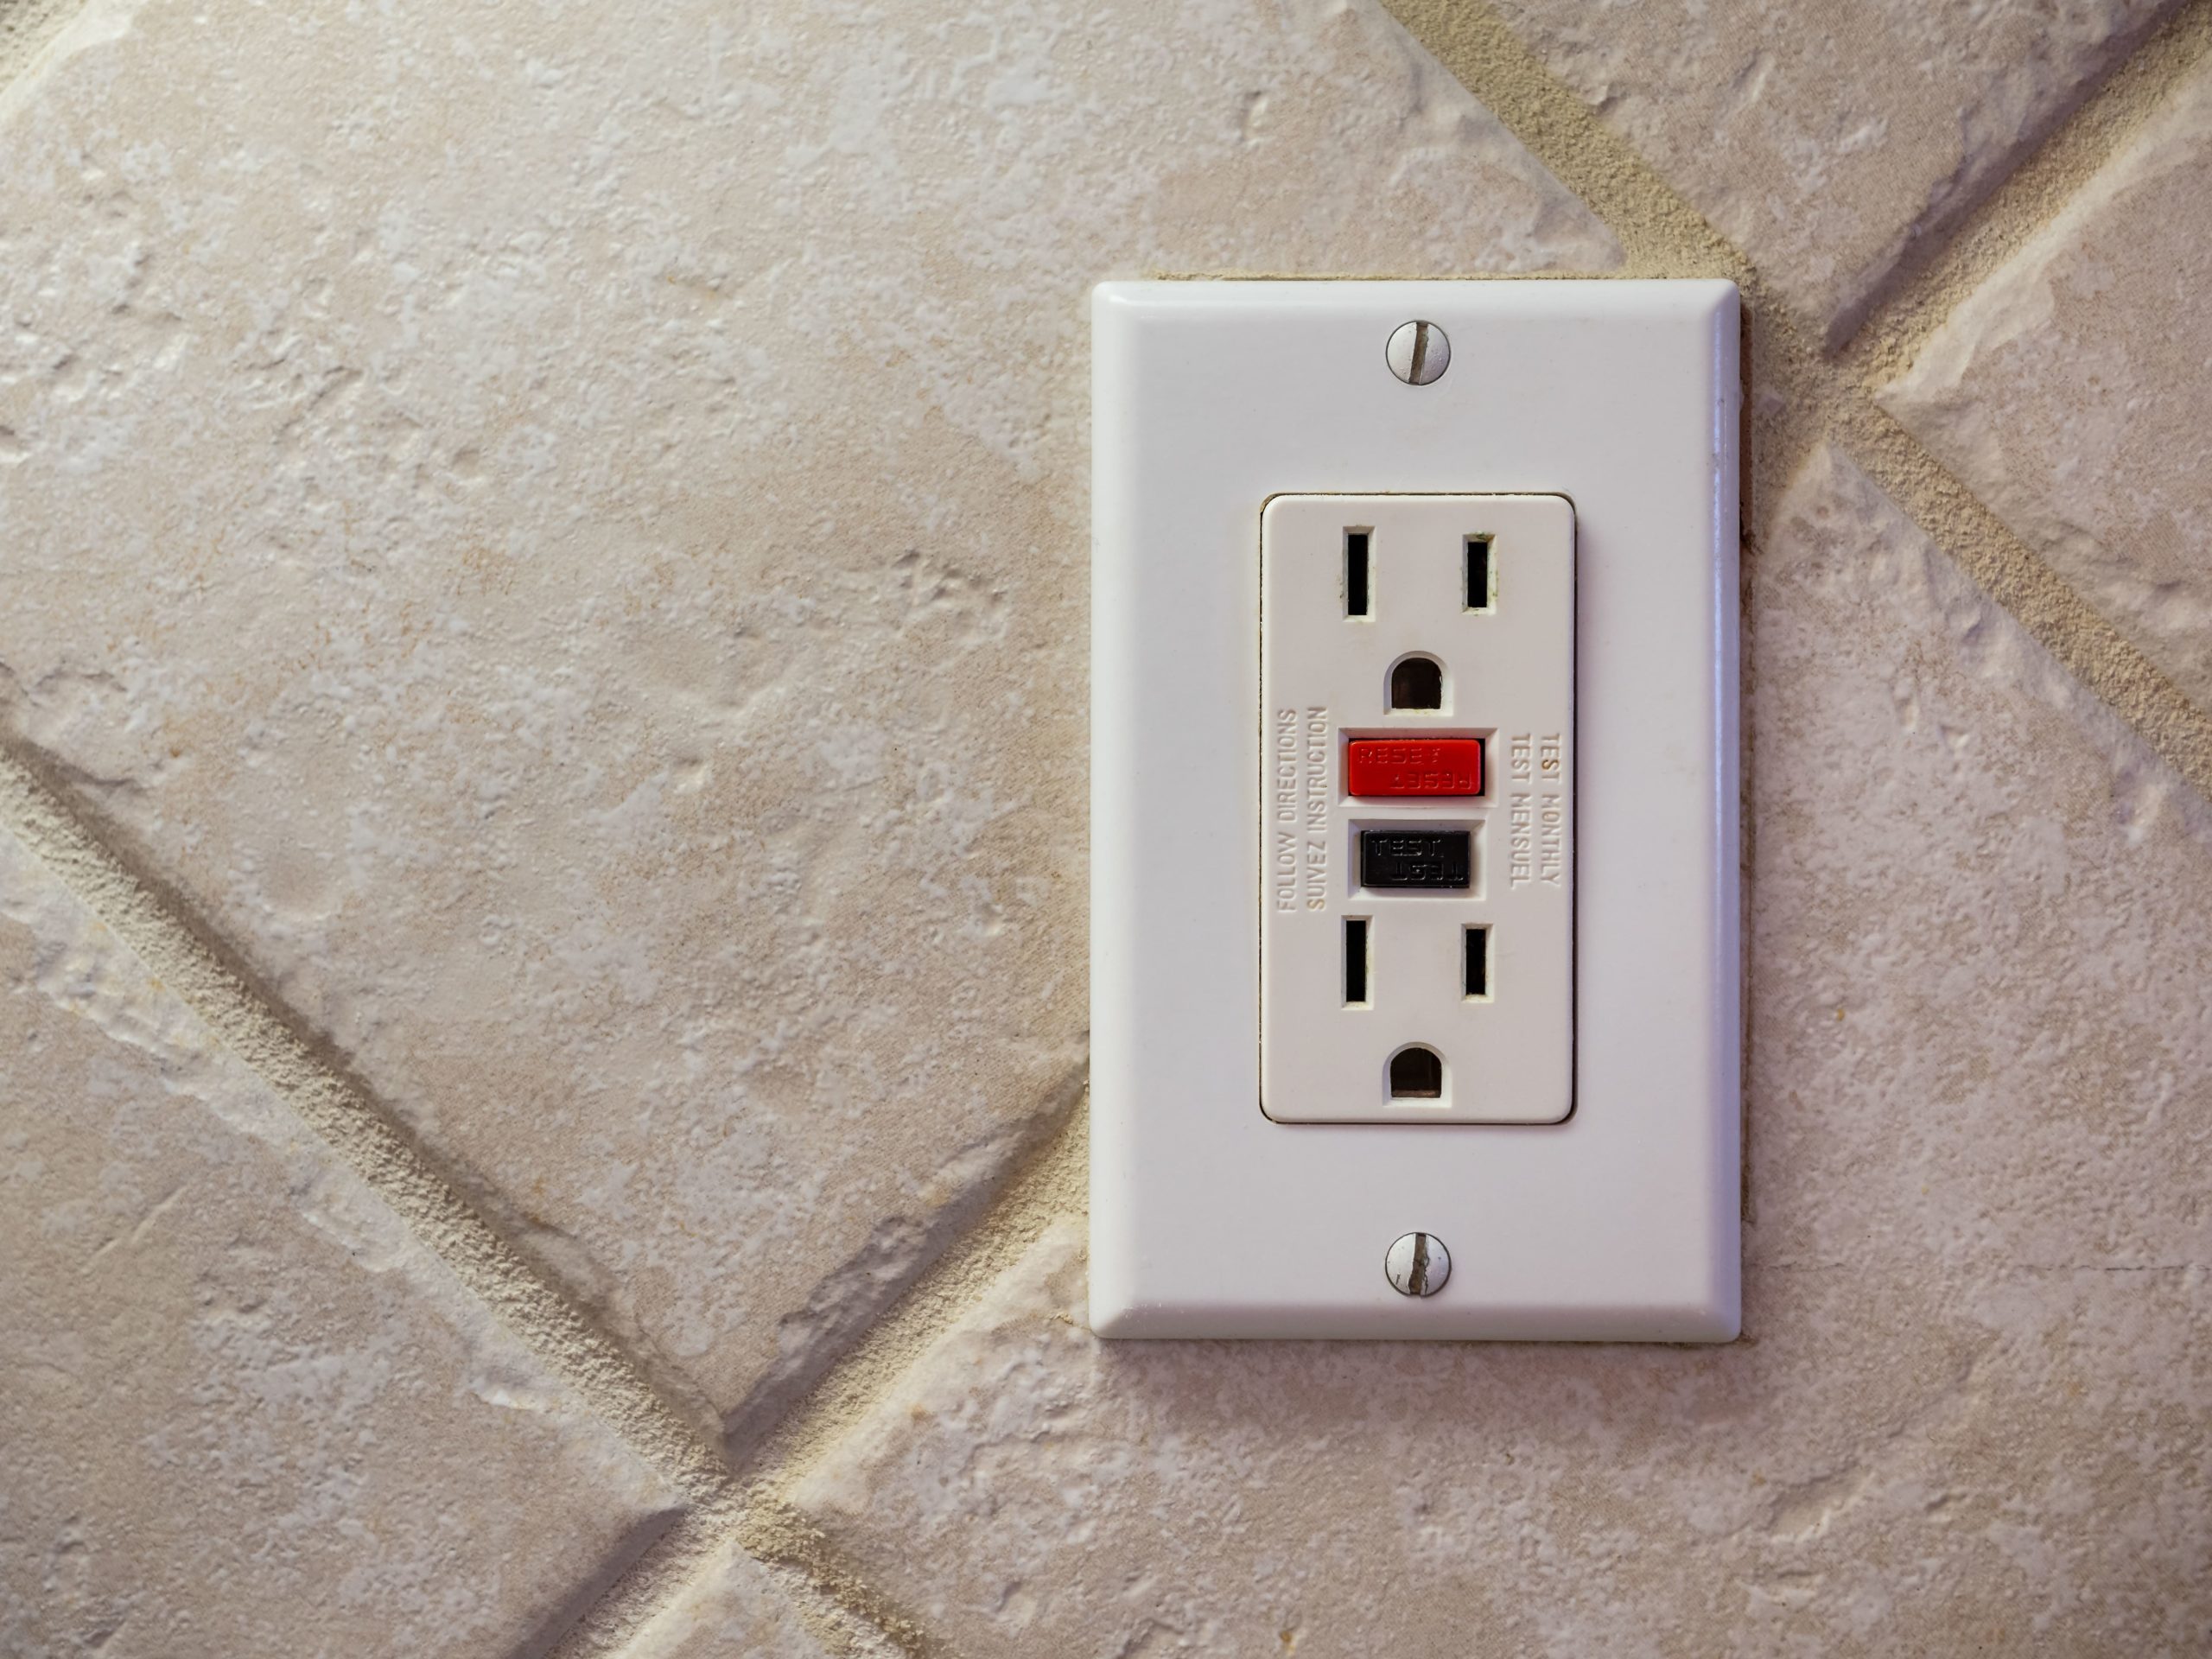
(1437, 765)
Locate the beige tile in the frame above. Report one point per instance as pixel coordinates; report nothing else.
(244, 1411)
(1825, 140)
(1981, 925)
(1973, 1411)
(1889, 1467)
(1830, 1489)
(729, 1610)
(2069, 390)
(562, 530)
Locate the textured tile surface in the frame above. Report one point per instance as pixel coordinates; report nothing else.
(561, 530)
(729, 1610)
(2071, 391)
(1823, 140)
(243, 1412)
(1974, 1409)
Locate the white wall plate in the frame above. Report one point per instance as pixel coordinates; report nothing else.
(1209, 1215)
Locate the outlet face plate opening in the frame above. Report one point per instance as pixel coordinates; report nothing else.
(1511, 664)
(1615, 406)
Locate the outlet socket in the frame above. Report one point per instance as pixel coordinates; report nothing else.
(1482, 586)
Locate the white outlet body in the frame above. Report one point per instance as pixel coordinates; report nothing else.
(1507, 1053)
(1209, 1217)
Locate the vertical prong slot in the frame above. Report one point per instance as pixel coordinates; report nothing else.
(1355, 962)
(1475, 979)
(1355, 573)
(1481, 595)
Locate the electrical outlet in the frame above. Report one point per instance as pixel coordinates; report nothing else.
(1417, 687)
(1414, 960)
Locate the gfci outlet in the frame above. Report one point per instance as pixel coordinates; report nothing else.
(1417, 823)
(1415, 1001)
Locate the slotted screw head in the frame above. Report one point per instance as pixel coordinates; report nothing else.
(1417, 1265)
(1418, 353)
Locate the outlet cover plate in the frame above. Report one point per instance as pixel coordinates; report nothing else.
(1210, 1219)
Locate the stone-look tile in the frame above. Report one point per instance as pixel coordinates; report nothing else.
(1824, 140)
(1889, 1468)
(2069, 390)
(244, 1412)
(562, 530)
(730, 1610)
(1973, 1411)
(1981, 927)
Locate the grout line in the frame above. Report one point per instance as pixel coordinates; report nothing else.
(1921, 295)
(1800, 398)
(847, 1615)
(1659, 232)
(160, 930)
(1050, 1185)
(26, 27)
(679, 1558)
(853, 1616)
(641, 1545)
(2088, 646)
(843, 1611)
(857, 1623)
(786, 1541)
(773, 1529)
(860, 1303)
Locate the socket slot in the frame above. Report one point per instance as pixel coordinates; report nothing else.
(1357, 958)
(1416, 685)
(1481, 586)
(1474, 972)
(1355, 573)
(1416, 1073)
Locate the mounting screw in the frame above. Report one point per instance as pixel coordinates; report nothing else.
(1418, 1264)
(1418, 353)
